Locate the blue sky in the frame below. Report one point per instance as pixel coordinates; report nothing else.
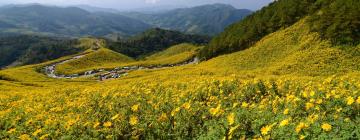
(133, 4)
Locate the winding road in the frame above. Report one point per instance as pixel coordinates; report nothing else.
(103, 74)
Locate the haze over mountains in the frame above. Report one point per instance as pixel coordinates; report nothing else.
(206, 19)
(70, 21)
(87, 20)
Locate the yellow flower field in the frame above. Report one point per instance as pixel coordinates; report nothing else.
(210, 109)
(289, 85)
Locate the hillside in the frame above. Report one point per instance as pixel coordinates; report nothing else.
(292, 51)
(195, 20)
(152, 41)
(22, 50)
(107, 59)
(329, 18)
(102, 58)
(69, 21)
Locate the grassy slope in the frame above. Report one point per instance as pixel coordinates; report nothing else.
(173, 55)
(107, 59)
(294, 51)
(103, 58)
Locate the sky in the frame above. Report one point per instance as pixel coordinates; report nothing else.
(134, 4)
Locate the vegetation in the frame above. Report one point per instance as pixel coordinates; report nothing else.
(195, 109)
(195, 20)
(152, 41)
(220, 98)
(103, 58)
(338, 21)
(177, 51)
(241, 35)
(107, 59)
(293, 83)
(23, 49)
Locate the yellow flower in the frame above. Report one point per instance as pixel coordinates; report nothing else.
(326, 127)
(215, 111)
(186, 105)
(107, 124)
(286, 111)
(305, 94)
(37, 132)
(300, 127)
(285, 122)
(312, 118)
(265, 129)
(309, 106)
(244, 105)
(25, 137)
(358, 100)
(232, 130)
(11, 130)
(115, 117)
(235, 105)
(319, 101)
(43, 137)
(231, 118)
(312, 93)
(109, 137)
(302, 137)
(133, 120)
(175, 111)
(163, 117)
(350, 100)
(135, 108)
(347, 119)
(96, 124)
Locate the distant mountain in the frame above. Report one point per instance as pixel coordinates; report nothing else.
(156, 9)
(70, 21)
(94, 9)
(152, 41)
(206, 19)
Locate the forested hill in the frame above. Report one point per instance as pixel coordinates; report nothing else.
(154, 40)
(24, 49)
(336, 20)
(205, 19)
(70, 21)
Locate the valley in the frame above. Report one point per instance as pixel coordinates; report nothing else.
(114, 73)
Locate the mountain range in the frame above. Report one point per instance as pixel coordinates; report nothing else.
(69, 21)
(195, 20)
(85, 20)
